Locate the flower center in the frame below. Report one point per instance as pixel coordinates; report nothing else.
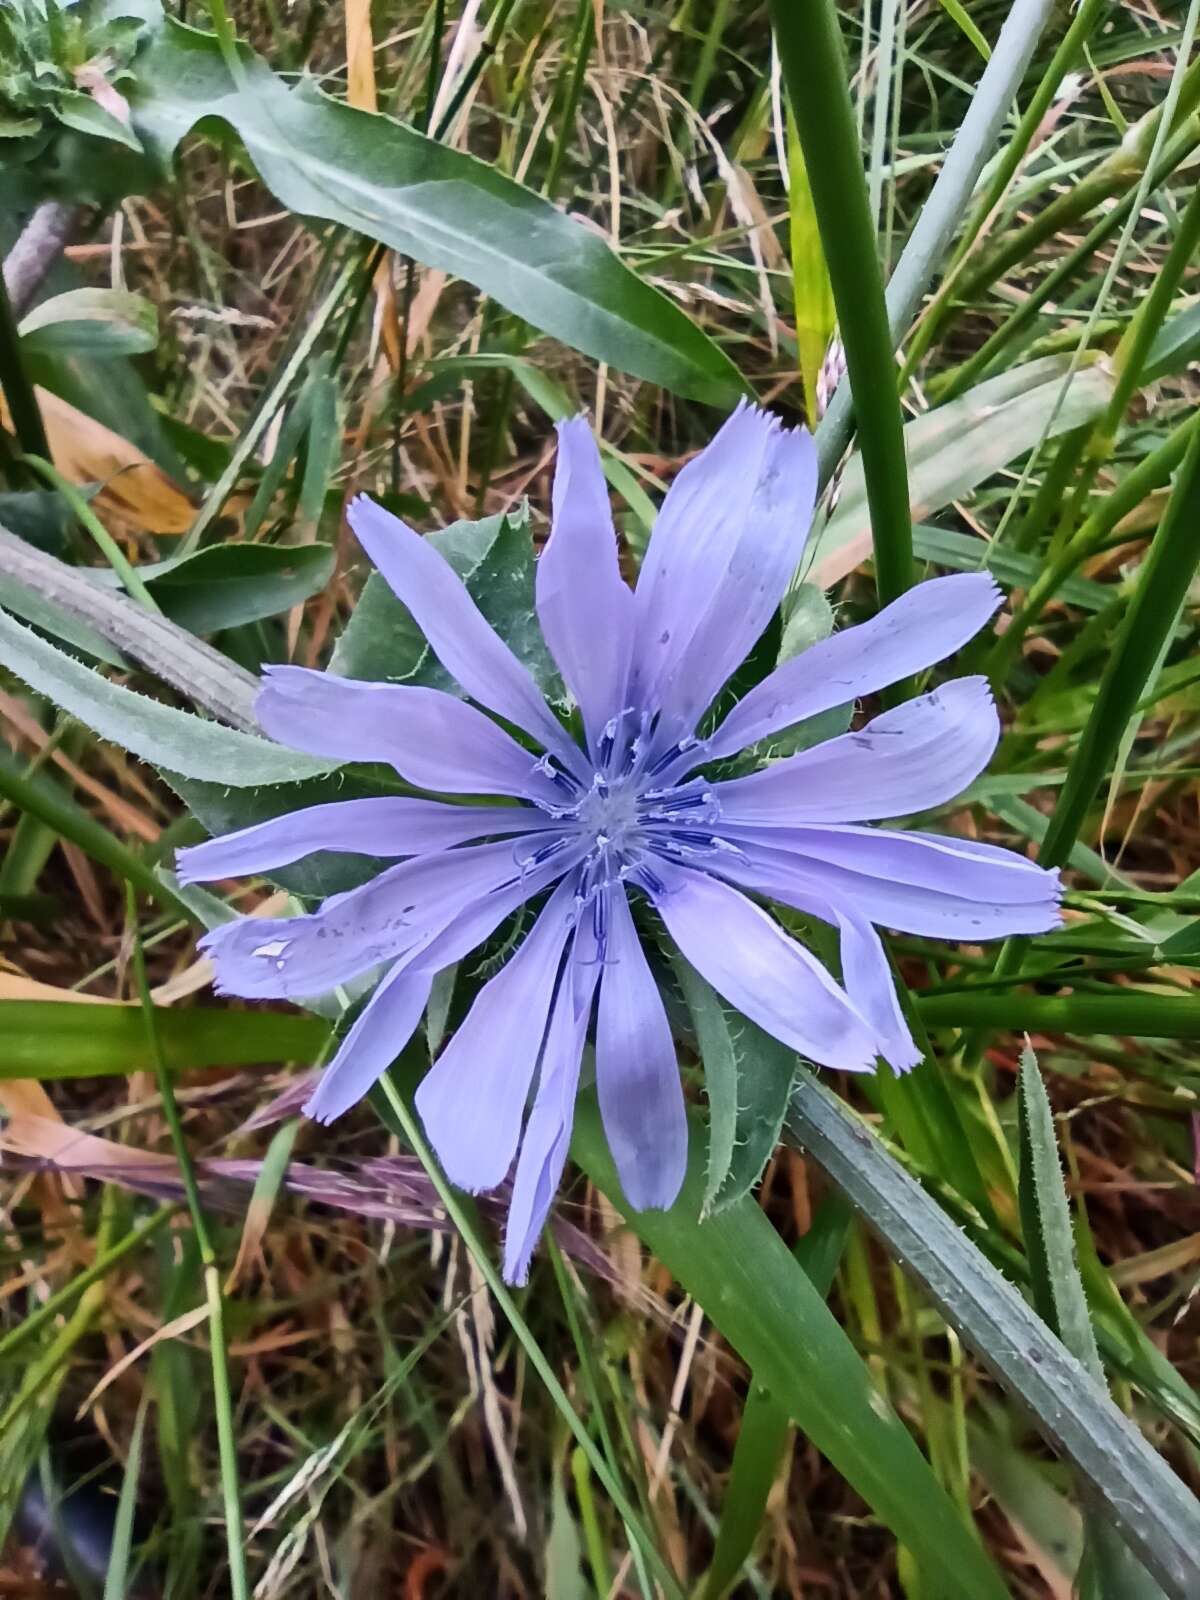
(609, 812)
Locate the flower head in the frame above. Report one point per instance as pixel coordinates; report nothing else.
(632, 814)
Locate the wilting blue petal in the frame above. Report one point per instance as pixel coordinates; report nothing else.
(922, 908)
(637, 1070)
(748, 958)
(870, 985)
(458, 633)
(727, 540)
(380, 1031)
(399, 913)
(432, 739)
(548, 1131)
(390, 825)
(925, 625)
(918, 755)
(472, 1100)
(584, 605)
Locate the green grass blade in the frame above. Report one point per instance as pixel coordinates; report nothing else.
(50, 1039)
(116, 1579)
(762, 1437)
(737, 1267)
(239, 1586)
(1162, 586)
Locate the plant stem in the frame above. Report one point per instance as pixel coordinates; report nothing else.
(942, 212)
(814, 70)
(109, 548)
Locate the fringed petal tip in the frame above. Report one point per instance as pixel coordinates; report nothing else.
(189, 865)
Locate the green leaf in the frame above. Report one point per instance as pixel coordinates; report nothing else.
(494, 558)
(1156, 1515)
(956, 447)
(50, 1039)
(225, 585)
(737, 1267)
(748, 1076)
(93, 322)
(323, 159)
(39, 516)
(80, 112)
(177, 740)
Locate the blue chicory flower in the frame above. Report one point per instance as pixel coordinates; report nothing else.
(629, 813)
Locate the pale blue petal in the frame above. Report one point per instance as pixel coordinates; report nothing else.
(925, 625)
(942, 863)
(391, 825)
(584, 605)
(637, 1070)
(472, 1100)
(400, 913)
(458, 633)
(912, 907)
(762, 972)
(726, 543)
(919, 754)
(548, 1131)
(380, 1031)
(432, 739)
(871, 986)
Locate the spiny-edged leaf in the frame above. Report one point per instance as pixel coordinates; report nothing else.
(1134, 1486)
(738, 1269)
(1108, 1570)
(494, 558)
(420, 197)
(1046, 1221)
(812, 295)
(160, 734)
(748, 1077)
